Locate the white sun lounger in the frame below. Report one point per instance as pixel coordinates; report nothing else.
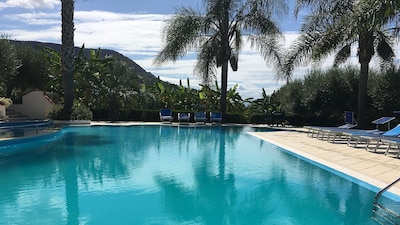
(392, 144)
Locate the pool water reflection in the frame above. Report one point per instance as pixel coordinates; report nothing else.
(171, 175)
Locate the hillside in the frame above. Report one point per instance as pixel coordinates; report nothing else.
(144, 76)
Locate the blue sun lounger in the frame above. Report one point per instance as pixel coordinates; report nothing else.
(329, 132)
(200, 117)
(392, 144)
(215, 117)
(166, 115)
(183, 117)
(374, 139)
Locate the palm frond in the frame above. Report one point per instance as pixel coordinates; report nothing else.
(207, 61)
(277, 8)
(342, 55)
(270, 47)
(180, 32)
(383, 47)
(262, 24)
(299, 52)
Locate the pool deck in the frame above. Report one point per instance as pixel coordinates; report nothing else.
(374, 168)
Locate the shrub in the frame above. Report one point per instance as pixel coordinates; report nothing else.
(56, 112)
(235, 118)
(257, 118)
(81, 112)
(5, 101)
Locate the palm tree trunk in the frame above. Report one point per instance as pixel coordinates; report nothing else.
(365, 53)
(67, 52)
(362, 95)
(225, 59)
(224, 87)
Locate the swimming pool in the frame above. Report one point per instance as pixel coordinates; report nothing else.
(170, 175)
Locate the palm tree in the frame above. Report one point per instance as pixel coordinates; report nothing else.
(217, 36)
(335, 26)
(67, 52)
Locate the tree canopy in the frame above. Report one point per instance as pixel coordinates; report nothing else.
(217, 35)
(335, 26)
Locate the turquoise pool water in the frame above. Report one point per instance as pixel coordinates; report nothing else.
(170, 175)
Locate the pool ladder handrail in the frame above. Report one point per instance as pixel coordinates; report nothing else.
(36, 126)
(390, 216)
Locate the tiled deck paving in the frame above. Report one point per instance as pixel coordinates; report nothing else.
(373, 168)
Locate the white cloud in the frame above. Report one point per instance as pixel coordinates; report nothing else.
(39, 19)
(128, 33)
(30, 4)
(138, 36)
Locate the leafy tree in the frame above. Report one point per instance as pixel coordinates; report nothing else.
(9, 64)
(165, 95)
(186, 97)
(235, 102)
(217, 34)
(34, 71)
(335, 26)
(328, 93)
(265, 105)
(53, 59)
(88, 75)
(145, 98)
(290, 97)
(116, 86)
(385, 92)
(210, 98)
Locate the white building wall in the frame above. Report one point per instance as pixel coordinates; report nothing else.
(34, 105)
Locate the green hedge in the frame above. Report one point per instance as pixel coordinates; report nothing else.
(153, 116)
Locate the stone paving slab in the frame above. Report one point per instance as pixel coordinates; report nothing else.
(374, 168)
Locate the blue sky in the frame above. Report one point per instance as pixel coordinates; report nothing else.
(133, 27)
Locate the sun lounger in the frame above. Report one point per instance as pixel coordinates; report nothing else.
(374, 139)
(183, 117)
(392, 144)
(166, 115)
(356, 137)
(215, 117)
(332, 132)
(200, 117)
(321, 132)
(327, 133)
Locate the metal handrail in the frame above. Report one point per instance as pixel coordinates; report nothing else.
(385, 188)
(36, 126)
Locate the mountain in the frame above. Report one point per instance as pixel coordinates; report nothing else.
(143, 76)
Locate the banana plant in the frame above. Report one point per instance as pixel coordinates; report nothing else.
(235, 102)
(89, 72)
(264, 105)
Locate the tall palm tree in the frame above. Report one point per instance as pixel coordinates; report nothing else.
(67, 52)
(217, 36)
(335, 26)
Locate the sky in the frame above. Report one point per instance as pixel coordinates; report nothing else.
(134, 28)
